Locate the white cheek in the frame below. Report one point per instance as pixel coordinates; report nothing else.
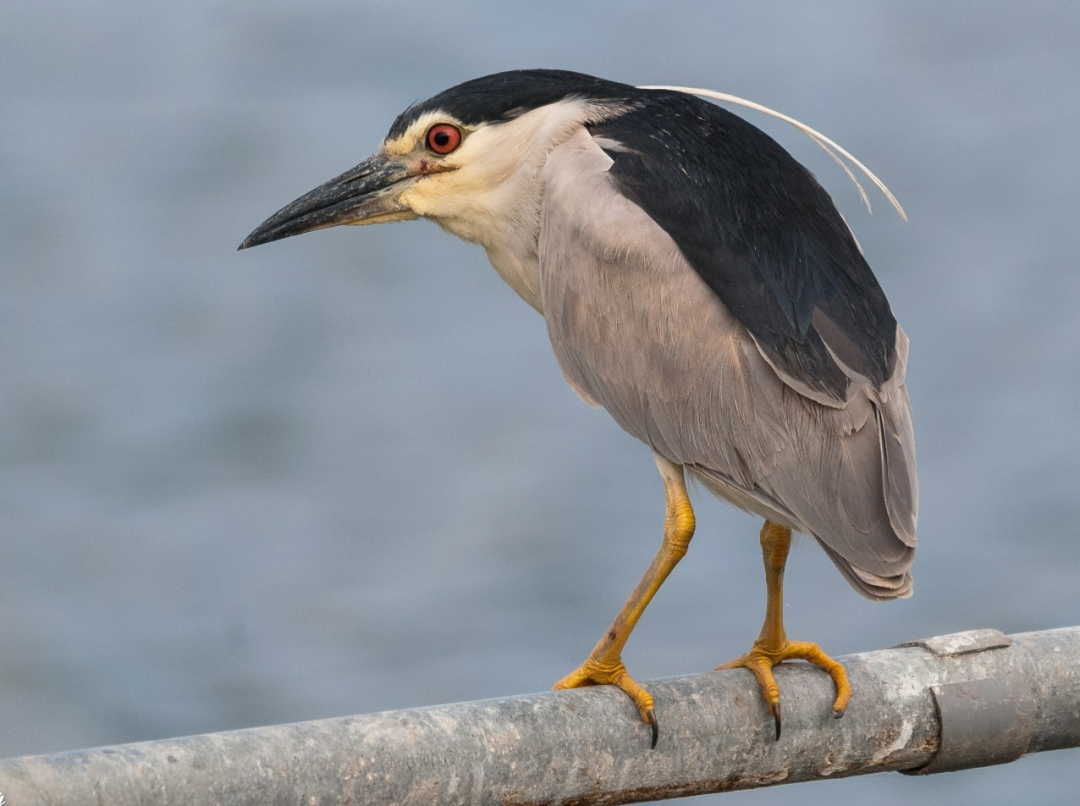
(450, 203)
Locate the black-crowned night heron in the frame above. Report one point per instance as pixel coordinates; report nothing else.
(698, 283)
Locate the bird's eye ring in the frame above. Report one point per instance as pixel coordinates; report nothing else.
(442, 138)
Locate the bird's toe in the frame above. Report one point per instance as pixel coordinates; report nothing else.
(761, 659)
(613, 673)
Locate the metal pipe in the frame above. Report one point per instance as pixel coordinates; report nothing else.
(946, 703)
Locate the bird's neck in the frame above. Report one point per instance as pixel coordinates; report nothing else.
(495, 197)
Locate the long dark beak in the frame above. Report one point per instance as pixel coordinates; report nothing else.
(368, 194)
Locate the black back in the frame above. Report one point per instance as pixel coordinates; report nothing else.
(762, 233)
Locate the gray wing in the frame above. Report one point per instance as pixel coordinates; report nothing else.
(636, 330)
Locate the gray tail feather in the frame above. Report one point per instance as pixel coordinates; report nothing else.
(871, 586)
(899, 481)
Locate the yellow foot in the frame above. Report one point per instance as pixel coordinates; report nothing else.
(761, 659)
(597, 673)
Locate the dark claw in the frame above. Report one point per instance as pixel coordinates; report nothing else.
(655, 728)
(840, 713)
(776, 716)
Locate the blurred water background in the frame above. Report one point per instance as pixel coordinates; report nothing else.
(342, 473)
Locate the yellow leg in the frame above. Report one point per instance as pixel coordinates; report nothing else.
(604, 665)
(772, 646)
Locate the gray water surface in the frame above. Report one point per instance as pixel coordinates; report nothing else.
(342, 473)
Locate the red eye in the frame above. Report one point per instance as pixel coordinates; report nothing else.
(442, 138)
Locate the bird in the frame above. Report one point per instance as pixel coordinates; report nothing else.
(699, 284)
